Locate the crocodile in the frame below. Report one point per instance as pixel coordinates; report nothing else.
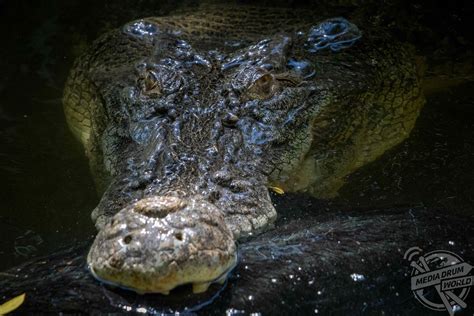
(189, 120)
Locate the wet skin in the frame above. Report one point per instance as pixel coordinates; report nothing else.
(187, 128)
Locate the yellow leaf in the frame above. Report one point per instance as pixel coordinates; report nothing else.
(12, 304)
(277, 190)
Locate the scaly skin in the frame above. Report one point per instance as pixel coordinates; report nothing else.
(187, 120)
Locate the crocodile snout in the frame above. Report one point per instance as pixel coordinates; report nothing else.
(161, 242)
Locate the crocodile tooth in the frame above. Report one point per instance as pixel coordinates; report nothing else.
(221, 280)
(200, 287)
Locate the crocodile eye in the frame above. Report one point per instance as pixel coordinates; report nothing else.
(263, 88)
(150, 85)
(150, 82)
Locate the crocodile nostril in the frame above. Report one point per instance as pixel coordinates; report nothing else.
(127, 239)
(179, 236)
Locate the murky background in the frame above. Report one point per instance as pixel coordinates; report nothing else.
(47, 193)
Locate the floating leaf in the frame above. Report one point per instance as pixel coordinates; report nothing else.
(12, 304)
(277, 190)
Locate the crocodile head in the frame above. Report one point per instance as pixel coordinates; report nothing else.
(193, 139)
(192, 136)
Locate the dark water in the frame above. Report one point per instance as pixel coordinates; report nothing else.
(46, 189)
